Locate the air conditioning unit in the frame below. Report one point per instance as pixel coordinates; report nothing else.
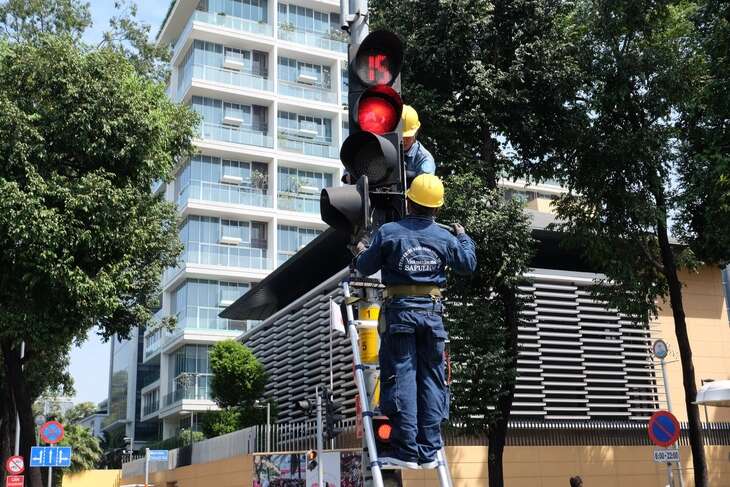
(233, 63)
(232, 120)
(307, 79)
(226, 240)
(309, 189)
(308, 133)
(230, 179)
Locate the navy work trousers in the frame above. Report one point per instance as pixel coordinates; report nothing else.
(413, 389)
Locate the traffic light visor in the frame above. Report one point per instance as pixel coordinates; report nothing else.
(379, 58)
(369, 154)
(379, 110)
(346, 208)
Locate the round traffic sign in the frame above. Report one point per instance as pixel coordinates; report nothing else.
(15, 465)
(51, 432)
(664, 428)
(660, 349)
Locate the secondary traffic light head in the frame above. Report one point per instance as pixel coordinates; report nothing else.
(346, 208)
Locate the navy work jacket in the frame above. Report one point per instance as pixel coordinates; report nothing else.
(416, 251)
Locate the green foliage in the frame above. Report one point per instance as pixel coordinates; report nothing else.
(216, 423)
(238, 376)
(185, 437)
(80, 411)
(487, 77)
(479, 321)
(28, 20)
(86, 449)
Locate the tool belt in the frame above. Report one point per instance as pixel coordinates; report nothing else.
(405, 290)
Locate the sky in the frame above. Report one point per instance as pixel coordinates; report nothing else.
(90, 362)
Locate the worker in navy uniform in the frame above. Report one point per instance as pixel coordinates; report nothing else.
(413, 255)
(418, 160)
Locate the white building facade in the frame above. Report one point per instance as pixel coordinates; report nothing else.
(268, 80)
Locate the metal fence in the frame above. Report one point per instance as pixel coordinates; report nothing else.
(301, 436)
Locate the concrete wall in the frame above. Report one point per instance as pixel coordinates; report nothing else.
(599, 466)
(93, 478)
(709, 333)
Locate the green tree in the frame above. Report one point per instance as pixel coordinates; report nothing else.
(238, 376)
(84, 242)
(630, 165)
(29, 20)
(484, 315)
(79, 411)
(86, 449)
(488, 79)
(237, 385)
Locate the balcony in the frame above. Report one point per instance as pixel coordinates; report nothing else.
(314, 93)
(206, 318)
(191, 393)
(224, 193)
(233, 23)
(295, 141)
(332, 41)
(239, 79)
(235, 135)
(300, 202)
(228, 255)
(151, 402)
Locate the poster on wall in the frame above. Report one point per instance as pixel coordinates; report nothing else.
(287, 470)
(341, 469)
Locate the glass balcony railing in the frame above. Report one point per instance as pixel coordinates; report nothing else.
(235, 135)
(151, 404)
(227, 255)
(206, 318)
(298, 90)
(234, 23)
(301, 202)
(224, 193)
(293, 141)
(239, 79)
(330, 41)
(187, 393)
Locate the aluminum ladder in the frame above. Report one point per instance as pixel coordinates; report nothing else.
(376, 467)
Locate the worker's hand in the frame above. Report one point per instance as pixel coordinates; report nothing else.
(361, 247)
(346, 178)
(458, 229)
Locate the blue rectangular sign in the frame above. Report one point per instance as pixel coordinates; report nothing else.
(50, 456)
(158, 455)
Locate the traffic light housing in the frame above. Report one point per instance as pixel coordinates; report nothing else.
(332, 415)
(383, 429)
(374, 148)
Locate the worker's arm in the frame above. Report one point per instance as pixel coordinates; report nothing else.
(425, 163)
(370, 260)
(463, 259)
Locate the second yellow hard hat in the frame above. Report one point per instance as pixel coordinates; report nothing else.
(411, 124)
(426, 190)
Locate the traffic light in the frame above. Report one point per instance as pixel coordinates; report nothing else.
(311, 459)
(383, 430)
(332, 415)
(374, 148)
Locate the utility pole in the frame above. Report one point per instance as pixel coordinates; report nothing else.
(320, 443)
(17, 415)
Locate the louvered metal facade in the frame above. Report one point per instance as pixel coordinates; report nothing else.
(578, 359)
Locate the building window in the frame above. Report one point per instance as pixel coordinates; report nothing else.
(295, 71)
(227, 243)
(291, 239)
(191, 376)
(245, 9)
(307, 19)
(197, 303)
(299, 190)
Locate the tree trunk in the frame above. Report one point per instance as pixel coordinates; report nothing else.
(499, 428)
(685, 350)
(23, 405)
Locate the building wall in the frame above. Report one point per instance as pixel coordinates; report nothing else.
(709, 333)
(598, 466)
(93, 478)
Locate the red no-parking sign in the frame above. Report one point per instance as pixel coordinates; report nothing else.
(664, 428)
(51, 432)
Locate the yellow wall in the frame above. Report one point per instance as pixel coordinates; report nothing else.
(709, 334)
(543, 205)
(93, 478)
(599, 466)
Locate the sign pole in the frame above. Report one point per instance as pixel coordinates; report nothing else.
(670, 477)
(17, 416)
(320, 445)
(146, 467)
(50, 469)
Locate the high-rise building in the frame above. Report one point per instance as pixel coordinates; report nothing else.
(268, 81)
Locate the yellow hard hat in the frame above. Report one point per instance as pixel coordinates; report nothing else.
(426, 190)
(411, 124)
